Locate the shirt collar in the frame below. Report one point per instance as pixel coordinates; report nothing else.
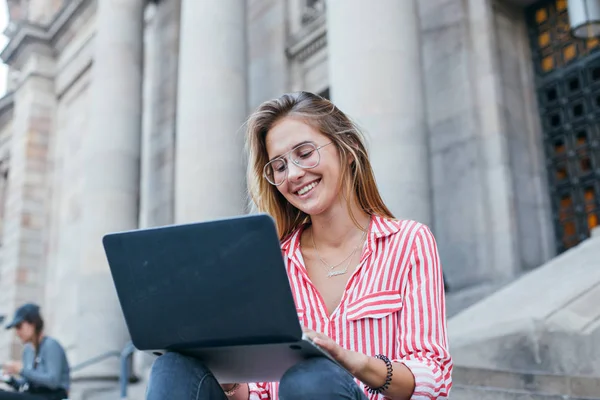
(382, 227)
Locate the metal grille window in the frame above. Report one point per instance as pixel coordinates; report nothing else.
(568, 88)
(553, 45)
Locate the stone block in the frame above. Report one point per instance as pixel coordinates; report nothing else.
(459, 299)
(567, 386)
(480, 393)
(460, 223)
(546, 321)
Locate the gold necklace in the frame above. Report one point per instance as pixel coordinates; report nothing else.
(331, 268)
(332, 272)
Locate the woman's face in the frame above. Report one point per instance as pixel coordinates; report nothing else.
(25, 331)
(311, 190)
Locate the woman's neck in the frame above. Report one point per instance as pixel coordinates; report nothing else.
(335, 227)
(37, 340)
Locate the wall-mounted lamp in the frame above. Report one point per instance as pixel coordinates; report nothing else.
(584, 18)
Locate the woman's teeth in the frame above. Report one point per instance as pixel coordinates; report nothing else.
(307, 188)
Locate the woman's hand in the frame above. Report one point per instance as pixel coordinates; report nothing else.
(12, 367)
(350, 360)
(241, 390)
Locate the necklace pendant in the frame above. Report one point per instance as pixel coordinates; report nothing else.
(335, 273)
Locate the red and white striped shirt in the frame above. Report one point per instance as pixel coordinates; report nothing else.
(393, 304)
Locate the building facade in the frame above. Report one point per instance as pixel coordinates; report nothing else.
(481, 117)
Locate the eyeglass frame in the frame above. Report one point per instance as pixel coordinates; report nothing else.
(286, 155)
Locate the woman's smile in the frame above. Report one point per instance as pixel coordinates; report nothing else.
(306, 190)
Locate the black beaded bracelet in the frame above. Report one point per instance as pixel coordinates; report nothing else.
(388, 378)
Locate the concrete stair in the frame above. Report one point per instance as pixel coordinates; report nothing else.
(547, 321)
(459, 300)
(94, 390)
(480, 393)
(135, 391)
(482, 384)
(106, 390)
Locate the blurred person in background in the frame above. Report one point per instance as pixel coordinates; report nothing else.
(43, 372)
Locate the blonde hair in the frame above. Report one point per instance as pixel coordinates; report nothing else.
(324, 116)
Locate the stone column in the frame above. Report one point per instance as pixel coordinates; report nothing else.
(4, 170)
(212, 96)
(111, 158)
(375, 77)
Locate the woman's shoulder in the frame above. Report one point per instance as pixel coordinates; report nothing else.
(52, 343)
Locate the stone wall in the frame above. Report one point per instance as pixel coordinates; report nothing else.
(478, 167)
(306, 48)
(72, 118)
(42, 11)
(267, 22)
(523, 134)
(23, 254)
(5, 136)
(38, 11)
(6, 296)
(74, 60)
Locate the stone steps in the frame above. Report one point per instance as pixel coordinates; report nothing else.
(487, 384)
(94, 390)
(460, 392)
(135, 391)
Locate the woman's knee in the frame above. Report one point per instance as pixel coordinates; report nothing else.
(317, 378)
(170, 361)
(175, 373)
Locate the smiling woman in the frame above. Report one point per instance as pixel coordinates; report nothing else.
(311, 119)
(368, 287)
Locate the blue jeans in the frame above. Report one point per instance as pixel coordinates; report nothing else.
(177, 377)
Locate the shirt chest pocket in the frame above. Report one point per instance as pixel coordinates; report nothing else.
(374, 305)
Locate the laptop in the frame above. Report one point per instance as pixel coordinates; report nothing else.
(215, 290)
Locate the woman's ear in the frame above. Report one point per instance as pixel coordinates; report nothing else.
(355, 147)
(352, 155)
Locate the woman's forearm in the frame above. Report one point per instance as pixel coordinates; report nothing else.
(374, 374)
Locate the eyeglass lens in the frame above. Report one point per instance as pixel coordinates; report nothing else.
(305, 156)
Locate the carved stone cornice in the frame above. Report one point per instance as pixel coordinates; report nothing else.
(24, 33)
(307, 42)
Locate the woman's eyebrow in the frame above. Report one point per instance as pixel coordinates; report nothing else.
(293, 147)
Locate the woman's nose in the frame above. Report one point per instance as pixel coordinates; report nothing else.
(295, 172)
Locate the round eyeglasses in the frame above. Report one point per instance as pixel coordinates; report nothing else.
(305, 156)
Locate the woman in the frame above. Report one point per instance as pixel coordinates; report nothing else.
(43, 373)
(368, 288)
